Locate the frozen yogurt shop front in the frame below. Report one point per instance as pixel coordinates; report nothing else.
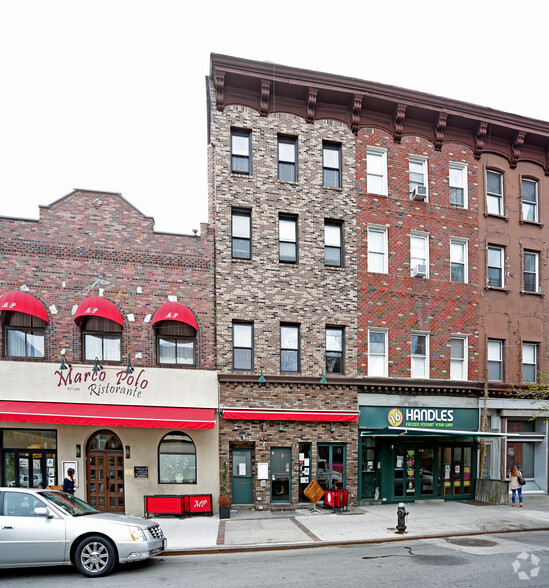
(423, 450)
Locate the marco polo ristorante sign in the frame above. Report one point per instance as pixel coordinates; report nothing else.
(110, 382)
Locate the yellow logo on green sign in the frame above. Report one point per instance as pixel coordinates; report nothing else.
(395, 417)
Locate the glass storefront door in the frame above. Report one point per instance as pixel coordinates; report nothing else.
(330, 466)
(368, 488)
(456, 470)
(281, 474)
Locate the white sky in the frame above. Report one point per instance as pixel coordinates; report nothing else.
(110, 94)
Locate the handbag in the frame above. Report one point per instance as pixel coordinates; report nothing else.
(521, 480)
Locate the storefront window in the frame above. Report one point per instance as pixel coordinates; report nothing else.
(330, 467)
(177, 459)
(27, 438)
(521, 455)
(304, 469)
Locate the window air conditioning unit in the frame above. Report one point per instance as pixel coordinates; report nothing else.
(419, 193)
(420, 270)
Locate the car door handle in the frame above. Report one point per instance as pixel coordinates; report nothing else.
(7, 527)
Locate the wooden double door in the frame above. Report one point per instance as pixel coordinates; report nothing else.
(105, 472)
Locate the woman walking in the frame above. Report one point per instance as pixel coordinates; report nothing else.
(515, 485)
(69, 482)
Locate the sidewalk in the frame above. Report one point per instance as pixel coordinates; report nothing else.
(250, 529)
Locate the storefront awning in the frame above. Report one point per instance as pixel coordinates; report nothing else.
(99, 306)
(107, 415)
(418, 431)
(258, 414)
(175, 311)
(18, 301)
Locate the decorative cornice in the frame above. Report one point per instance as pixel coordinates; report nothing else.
(311, 105)
(264, 100)
(516, 144)
(480, 133)
(440, 125)
(356, 107)
(220, 90)
(398, 120)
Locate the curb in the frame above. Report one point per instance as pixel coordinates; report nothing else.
(221, 549)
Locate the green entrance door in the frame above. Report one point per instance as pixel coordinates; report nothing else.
(242, 476)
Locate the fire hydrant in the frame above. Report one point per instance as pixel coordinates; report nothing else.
(402, 513)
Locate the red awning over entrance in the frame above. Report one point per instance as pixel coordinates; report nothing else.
(107, 415)
(18, 301)
(99, 306)
(255, 414)
(175, 311)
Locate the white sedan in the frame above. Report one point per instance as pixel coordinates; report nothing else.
(46, 527)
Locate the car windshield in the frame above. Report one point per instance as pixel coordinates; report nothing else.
(69, 504)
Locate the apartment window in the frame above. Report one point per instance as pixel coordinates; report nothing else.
(334, 350)
(376, 166)
(242, 234)
(419, 255)
(25, 335)
(287, 159)
(102, 339)
(458, 185)
(495, 266)
(331, 165)
(417, 169)
(495, 360)
(420, 354)
(175, 343)
(243, 346)
(333, 243)
(287, 239)
(241, 152)
(531, 271)
(529, 362)
(530, 200)
(494, 192)
(458, 261)
(377, 353)
(458, 358)
(377, 250)
(289, 348)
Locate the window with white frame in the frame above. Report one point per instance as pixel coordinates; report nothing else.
(531, 271)
(289, 348)
(417, 169)
(529, 362)
(496, 256)
(241, 234)
(530, 200)
(495, 360)
(287, 159)
(334, 350)
(458, 358)
(420, 356)
(331, 165)
(494, 192)
(287, 239)
(458, 185)
(377, 352)
(419, 254)
(376, 169)
(333, 243)
(241, 152)
(377, 250)
(458, 261)
(243, 346)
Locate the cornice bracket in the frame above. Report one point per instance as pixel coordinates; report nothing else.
(311, 105)
(546, 166)
(356, 107)
(264, 98)
(398, 120)
(516, 144)
(220, 90)
(440, 125)
(480, 133)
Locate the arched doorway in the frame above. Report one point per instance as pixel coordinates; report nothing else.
(105, 472)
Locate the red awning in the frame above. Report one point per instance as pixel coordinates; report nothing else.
(175, 311)
(18, 301)
(258, 414)
(99, 306)
(107, 415)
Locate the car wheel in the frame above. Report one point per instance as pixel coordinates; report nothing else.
(95, 556)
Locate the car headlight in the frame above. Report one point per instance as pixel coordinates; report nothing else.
(138, 534)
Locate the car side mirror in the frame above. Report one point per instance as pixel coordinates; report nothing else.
(42, 511)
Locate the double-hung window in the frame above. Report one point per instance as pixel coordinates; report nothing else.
(377, 250)
(102, 339)
(331, 165)
(287, 239)
(241, 234)
(290, 348)
(334, 350)
(531, 271)
(287, 159)
(241, 152)
(494, 192)
(417, 170)
(376, 169)
(458, 261)
(458, 358)
(495, 360)
(530, 200)
(243, 346)
(419, 255)
(176, 343)
(420, 356)
(333, 243)
(529, 362)
(25, 336)
(377, 352)
(458, 185)
(496, 258)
